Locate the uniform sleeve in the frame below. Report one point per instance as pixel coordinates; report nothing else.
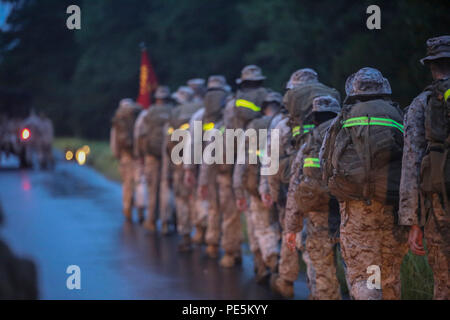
(294, 215)
(413, 153)
(138, 134)
(165, 159)
(113, 143)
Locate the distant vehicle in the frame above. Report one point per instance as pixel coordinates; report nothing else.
(23, 133)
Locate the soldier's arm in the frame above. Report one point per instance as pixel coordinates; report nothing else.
(294, 215)
(113, 143)
(413, 153)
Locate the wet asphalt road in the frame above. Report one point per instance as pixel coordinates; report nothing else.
(72, 216)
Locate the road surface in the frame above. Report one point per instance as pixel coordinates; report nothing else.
(72, 216)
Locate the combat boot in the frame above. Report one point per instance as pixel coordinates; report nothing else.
(127, 214)
(165, 229)
(228, 260)
(141, 215)
(199, 237)
(281, 286)
(212, 251)
(185, 244)
(261, 272)
(150, 225)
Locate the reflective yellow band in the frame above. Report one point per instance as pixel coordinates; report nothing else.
(446, 95)
(372, 121)
(247, 104)
(306, 128)
(184, 126)
(208, 126)
(311, 163)
(170, 130)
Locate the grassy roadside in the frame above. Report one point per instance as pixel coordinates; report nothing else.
(416, 274)
(100, 156)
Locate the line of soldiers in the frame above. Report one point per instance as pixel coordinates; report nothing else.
(360, 176)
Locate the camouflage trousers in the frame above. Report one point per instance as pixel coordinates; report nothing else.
(319, 257)
(370, 238)
(288, 266)
(200, 216)
(223, 216)
(140, 185)
(184, 202)
(263, 234)
(127, 173)
(437, 251)
(153, 177)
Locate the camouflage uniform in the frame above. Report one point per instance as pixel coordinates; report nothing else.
(150, 163)
(319, 245)
(263, 233)
(368, 233)
(415, 146)
(200, 207)
(184, 199)
(288, 267)
(127, 162)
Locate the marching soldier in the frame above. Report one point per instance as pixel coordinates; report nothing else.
(424, 188)
(361, 159)
(121, 143)
(313, 203)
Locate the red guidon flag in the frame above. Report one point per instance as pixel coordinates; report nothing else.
(147, 80)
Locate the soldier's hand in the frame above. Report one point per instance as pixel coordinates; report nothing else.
(415, 240)
(291, 241)
(266, 199)
(189, 178)
(241, 204)
(203, 192)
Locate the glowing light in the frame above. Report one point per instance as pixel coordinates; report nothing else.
(69, 155)
(80, 155)
(25, 135)
(86, 149)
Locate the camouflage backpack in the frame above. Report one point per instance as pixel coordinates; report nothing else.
(363, 154)
(248, 104)
(312, 192)
(123, 124)
(155, 119)
(179, 119)
(251, 175)
(214, 102)
(298, 102)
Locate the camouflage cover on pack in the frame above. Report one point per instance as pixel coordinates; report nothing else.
(214, 102)
(179, 119)
(248, 104)
(123, 124)
(298, 101)
(363, 153)
(155, 119)
(312, 193)
(251, 174)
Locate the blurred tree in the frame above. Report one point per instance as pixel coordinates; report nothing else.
(78, 77)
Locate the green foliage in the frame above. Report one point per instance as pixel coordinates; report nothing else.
(78, 77)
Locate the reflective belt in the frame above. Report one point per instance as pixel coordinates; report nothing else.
(446, 95)
(208, 126)
(247, 104)
(373, 121)
(311, 163)
(306, 128)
